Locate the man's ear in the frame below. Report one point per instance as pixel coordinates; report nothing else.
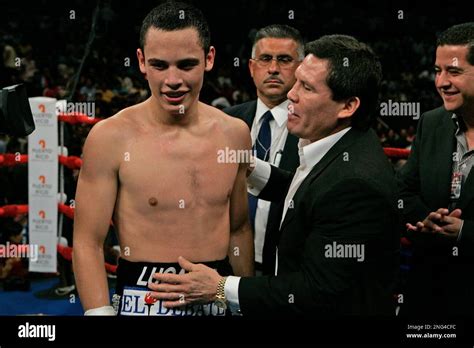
(141, 61)
(349, 107)
(211, 55)
(251, 66)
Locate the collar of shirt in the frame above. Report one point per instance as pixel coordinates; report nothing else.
(459, 123)
(311, 153)
(279, 112)
(459, 135)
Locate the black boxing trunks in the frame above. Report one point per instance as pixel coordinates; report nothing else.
(133, 297)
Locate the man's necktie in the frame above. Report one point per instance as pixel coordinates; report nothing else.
(262, 147)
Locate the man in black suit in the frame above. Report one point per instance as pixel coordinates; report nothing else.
(276, 53)
(338, 250)
(437, 189)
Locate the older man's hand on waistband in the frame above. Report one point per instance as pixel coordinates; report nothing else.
(197, 286)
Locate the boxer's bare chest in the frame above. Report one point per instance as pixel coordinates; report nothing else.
(176, 170)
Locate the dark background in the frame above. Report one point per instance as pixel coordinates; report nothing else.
(406, 46)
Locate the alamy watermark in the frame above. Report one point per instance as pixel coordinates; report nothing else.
(228, 155)
(9, 250)
(394, 108)
(345, 251)
(84, 108)
(37, 331)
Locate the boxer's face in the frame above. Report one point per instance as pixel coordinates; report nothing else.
(273, 80)
(455, 78)
(174, 62)
(313, 114)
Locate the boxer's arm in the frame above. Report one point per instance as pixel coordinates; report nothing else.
(241, 249)
(95, 200)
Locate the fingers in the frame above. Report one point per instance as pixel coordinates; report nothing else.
(420, 227)
(442, 211)
(456, 213)
(425, 227)
(174, 299)
(434, 216)
(167, 288)
(429, 225)
(187, 265)
(169, 296)
(449, 220)
(453, 225)
(174, 304)
(171, 300)
(168, 278)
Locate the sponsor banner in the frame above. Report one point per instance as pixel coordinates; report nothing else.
(43, 183)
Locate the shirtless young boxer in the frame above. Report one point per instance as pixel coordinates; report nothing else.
(153, 168)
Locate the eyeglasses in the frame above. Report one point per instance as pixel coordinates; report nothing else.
(283, 60)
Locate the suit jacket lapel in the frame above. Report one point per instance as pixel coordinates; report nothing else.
(249, 114)
(290, 152)
(346, 141)
(443, 157)
(467, 193)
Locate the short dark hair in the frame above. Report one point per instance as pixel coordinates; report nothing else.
(280, 31)
(174, 15)
(460, 34)
(354, 71)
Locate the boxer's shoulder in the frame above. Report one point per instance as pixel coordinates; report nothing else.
(232, 127)
(110, 136)
(105, 132)
(119, 125)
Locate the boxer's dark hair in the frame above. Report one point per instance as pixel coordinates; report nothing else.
(459, 35)
(354, 71)
(173, 15)
(279, 31)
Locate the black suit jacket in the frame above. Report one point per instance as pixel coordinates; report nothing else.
(289, 161)
(441, 280)
(349, 197)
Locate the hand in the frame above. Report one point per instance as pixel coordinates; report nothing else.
(431, 223)
(452, 224)
(177, 290)
(440, 222)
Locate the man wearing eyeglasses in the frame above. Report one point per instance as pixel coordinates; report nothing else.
(276, 53)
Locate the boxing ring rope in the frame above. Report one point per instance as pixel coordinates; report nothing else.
(394, 152)
(77, 117)
(13, 210)
(71, 162)
(74, 162)
(11, 159)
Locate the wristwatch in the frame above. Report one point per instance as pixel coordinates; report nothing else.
(221, 301)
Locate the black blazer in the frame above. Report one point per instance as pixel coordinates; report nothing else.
(348, 197)
(289, 161)
(441, 279)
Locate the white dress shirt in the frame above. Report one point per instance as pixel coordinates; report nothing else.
(279, 134)
(310, 154)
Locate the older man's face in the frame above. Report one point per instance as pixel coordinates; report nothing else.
(313, 114)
